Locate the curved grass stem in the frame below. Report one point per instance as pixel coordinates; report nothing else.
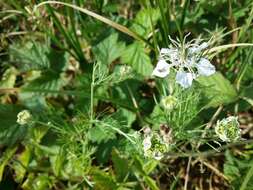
(98, 17)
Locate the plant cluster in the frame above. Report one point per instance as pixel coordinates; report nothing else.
(122, 95)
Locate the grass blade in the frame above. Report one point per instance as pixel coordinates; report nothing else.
(98, 17)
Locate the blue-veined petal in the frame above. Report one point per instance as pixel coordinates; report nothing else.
(162, 69)
(147, 143)
(205, 67)
(184, 79)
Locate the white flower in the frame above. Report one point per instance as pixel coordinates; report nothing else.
(147, 144)
(162, 69)
(184, 79)
(23, 117)
(186, 59)
(228, 129)
(205, 67)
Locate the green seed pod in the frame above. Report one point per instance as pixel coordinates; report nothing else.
(169, 102)
(154, 147)
(228, 129)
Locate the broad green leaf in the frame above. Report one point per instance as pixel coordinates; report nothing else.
(29, 56)
(53, 78)
(47, 82)
(151, 183)
(8, 79)
(109, 49)
(103, 180)
(58, 60)
(121, 165)
(32, 101)
(22, 163)
(58, 162)
(150, 166)
(217, 89)
(8, 115)
(158, 116)
(142, 24)
(10, 131)
(7, 155)
(138, 166)
(27, 185)
(127, 117)
(136, 56)
(41, 88)
(100, 133)
(247, 94)
(42, 182)
(103, 151)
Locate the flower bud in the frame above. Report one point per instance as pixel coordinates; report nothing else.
(124, 70)
(169, 102)
(23, 117)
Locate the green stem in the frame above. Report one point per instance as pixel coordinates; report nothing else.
(92, 92)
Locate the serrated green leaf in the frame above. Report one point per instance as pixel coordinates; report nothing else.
(109, 49)
(217, 89)
(136, 56)
(53, 78)
(29, 56)
(41, 88)
(48, 81)
(142, 23)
